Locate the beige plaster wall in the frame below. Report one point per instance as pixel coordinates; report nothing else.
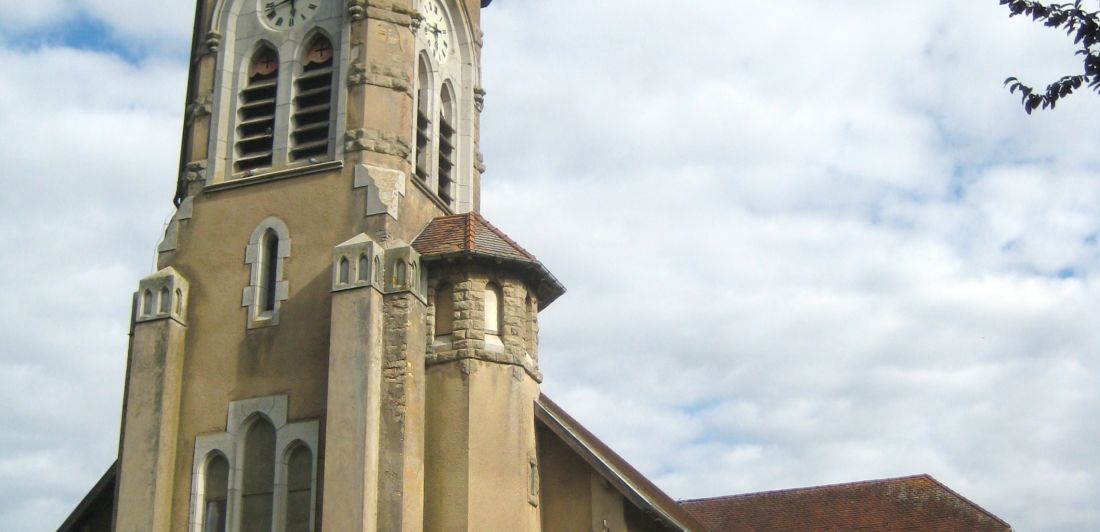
(352, 420)
(566, 487)
(152, 406)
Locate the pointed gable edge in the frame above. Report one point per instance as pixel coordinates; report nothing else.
(104, 487)
(631, 483)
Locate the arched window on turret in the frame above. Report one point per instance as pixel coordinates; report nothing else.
(258, 477)
(165, 300)
(448, 138)
(444, 310)
(256, 112)
(344, 271)
(425, 95)
(147, 303)
(364, 268)
(493, 309)
(313, 102)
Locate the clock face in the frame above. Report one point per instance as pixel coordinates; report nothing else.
(436, 31)
(287, 14)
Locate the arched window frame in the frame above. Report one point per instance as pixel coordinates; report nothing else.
(238, 29)
(493, 314)
(258, 256)
(459, 73)
(447, 134)
(257, 104)
(202, 488)
(231, 445)
(299, 151)
(443, 303)
(284, 471)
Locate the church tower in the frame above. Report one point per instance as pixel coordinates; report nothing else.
(335, 338)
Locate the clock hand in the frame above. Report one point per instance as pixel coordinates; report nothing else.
(272, 5)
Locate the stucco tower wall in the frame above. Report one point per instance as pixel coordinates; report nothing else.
(354, 407)
(481, 453)
(151, 417)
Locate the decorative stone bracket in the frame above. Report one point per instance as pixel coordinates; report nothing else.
(213, 42)
(199, 108)
(385, 188)
(357, 9)
(479, 99)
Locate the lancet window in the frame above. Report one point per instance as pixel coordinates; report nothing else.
(313, 102)
(276, 102)
(256, 113)
(258, 476)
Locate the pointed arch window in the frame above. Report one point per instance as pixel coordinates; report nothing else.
(258, 482)
(299, 490)
(493, 309)
(259, 475)
(344, 273)
(447, 140)
(364, 268)
(266, 255)
(215, 494)
(147, 302)
(270, 271)
(423, 121)
(256, 113)
(444, 310)
(312, 118)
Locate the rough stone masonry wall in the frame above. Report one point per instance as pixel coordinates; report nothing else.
(468, 334)
(402, 435)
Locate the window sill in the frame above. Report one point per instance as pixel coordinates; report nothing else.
(447, 209)
(274, 175)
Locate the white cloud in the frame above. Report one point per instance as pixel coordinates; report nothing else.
(88, 179)
(804, 242)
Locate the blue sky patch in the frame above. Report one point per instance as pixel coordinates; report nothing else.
(80, 32)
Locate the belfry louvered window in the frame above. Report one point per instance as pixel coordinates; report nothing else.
(256, 125)
(423, 123)
(447, 141)
(313, 102)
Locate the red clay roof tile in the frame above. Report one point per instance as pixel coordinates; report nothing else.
(469, 232)
(472, 236)
(916, 503)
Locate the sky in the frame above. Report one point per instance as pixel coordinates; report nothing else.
(805, 242)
